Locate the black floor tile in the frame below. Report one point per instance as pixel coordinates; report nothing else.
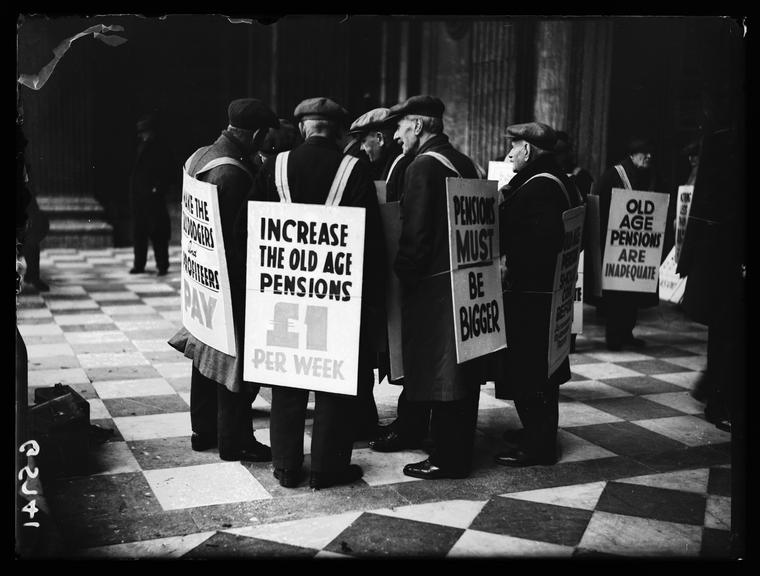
(121, 373)
(533, 521)
(719, 483)
(145, 405)
(626, 439)
(641, 385)
(374, 535)
(633, 408)
(115, 436)
(654, 503)
(224, 545)
(652, 366)
(665, 352)
(170, 453)
(715, 543)
(109, 327)
(693, 457)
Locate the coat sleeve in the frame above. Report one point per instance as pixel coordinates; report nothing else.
(417, 224)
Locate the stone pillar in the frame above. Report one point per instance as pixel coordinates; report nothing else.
(553, 54)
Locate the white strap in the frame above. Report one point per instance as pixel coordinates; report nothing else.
(557, 180)
(341, 179)
(623, 177)
(443, 160)
(189, 161)
(224, 161)
(388, 178)
(281, 176)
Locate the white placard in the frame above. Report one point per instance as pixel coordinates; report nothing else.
(672, 286)
(303, 296)
(683, 207)
(578, 299)
(635, 235)
(563, 291)
(502, 172)
(474, 259)
(206, 299)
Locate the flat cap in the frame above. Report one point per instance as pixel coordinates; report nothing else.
(535, 133)
(373, 120)
(251, 114)
(320, 109)
(422, 105)
(638, 144)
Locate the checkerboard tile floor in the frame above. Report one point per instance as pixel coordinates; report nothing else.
(641, 474)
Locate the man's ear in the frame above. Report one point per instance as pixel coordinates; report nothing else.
(380, 138)
(417, 126)
(528, 151)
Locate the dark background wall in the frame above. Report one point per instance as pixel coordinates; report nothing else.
(602, 79)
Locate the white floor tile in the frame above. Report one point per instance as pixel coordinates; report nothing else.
(583, 496)
(685, 480)
(69, 376)
(154, 426)
(132, 388)
(718, 512)
(98, 410)
(204, 485)
(477, 544)
(683, 379)
(172, 547)
(44, 350)
(107, 360)
(456, 513)
(96, 337)
(579, 414)
(689, 430)
(628, 535)
(175, 369)
(75, 319)
(603, 371)
(308, 533)
(386, 467)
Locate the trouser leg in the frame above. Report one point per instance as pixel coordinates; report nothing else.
(31, 251)
(620, 318)
(140, 241)
(413, 420)
(233, 419)
(332, 440)
(366, 416)
(453, 427)
(539, 414)
(287, 421)
(160, 239)
(203, 404)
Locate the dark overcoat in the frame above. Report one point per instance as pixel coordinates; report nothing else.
(319, 158)
(422, 264)
(531, 236)
(233, 185)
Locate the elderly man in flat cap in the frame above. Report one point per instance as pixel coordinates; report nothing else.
(375, 132)
(310, 170)
(220, 401)
(621, 307)
(532, 234)
(432, 375)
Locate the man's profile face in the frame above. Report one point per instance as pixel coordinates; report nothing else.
(517, 155)
(641, 159)
(372, 144)
(406, 137)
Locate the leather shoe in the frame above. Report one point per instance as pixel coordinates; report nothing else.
(393, 442)
(518, 458)
(137, 270)
(200, 443)
(252, 451)
(614, 346)
(429, 471)
(162, 272)
(635, 342)
(514, 436)
(287, 478)
(349, 474)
